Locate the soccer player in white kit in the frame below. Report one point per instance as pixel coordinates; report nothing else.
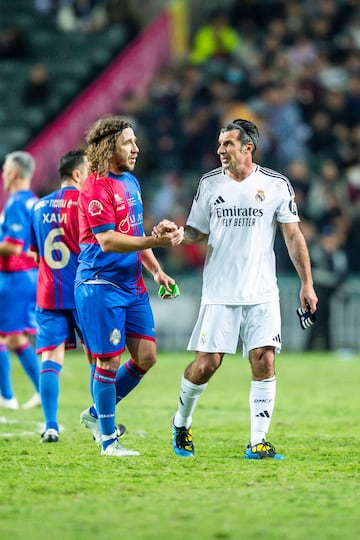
(237, 208)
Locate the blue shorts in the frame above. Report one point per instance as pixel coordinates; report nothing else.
(56, 326)
(109, 315)
(17, 301)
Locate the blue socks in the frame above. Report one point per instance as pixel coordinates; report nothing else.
(105, 395)
(128, 376)
(30, 363)
(5, 373)
(49, 392)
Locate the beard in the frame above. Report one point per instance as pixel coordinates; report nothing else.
(122, 165)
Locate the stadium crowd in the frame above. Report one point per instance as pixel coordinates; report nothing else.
(294, 69)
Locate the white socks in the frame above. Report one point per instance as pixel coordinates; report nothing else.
(189, 395)
(261, 401)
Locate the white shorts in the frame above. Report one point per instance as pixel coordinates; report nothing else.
(219, 327)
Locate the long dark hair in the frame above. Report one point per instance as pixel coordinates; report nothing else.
(101, 141)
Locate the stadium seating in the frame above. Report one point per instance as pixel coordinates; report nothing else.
(72, 61)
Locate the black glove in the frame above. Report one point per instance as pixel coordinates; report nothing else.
(307, 318)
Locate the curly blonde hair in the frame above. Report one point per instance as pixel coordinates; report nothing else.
(101, 140)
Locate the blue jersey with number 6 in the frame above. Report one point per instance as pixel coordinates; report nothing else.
(55, 237)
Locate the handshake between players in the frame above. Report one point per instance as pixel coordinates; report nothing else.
(169, 229)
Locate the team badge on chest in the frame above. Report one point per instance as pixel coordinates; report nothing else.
(260, 195)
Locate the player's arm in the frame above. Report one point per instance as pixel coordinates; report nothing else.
(8, 248)
(192, 236)
(117, 242)
(33, 252)
(150, 262)
(152, 265)
(299, 255)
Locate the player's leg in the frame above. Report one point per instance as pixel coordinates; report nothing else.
(55, 334)
(51, 365)
(89, 416)
(214, 331)
(141, 343)
(200, 370)
(261, 338)
(24, 294)
(22, 347)
(102, 313)
(7, 398)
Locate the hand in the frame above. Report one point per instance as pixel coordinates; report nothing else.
(308, 298)
(163, 227)
(307, 319)
(161, 278)
(169, 295)
(171, 238)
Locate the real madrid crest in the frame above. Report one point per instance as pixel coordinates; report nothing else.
(260, 195)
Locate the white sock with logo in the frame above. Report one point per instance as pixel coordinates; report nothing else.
(262, 401)
(188, 397)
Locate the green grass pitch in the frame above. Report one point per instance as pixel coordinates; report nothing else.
(67, 491)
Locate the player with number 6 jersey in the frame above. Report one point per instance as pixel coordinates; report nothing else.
(55, 240)
(55, 234)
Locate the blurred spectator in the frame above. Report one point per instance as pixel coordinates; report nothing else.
(329, 267)
(322, 142)
(82, 16)
(352, 175)
(352, 99)
(279, 110)
(302, 52)
(13, 45)
(123, 12)
(200, 131)
(328, 198)
(166, 199)
(37, 90)
(301, 178)
(308, 90)
(216, 40)
(256, 15)
(135, 106)
(353, 247)
(44, 7)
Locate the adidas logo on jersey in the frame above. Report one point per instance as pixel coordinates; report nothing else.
(277, 338)
(219, 200)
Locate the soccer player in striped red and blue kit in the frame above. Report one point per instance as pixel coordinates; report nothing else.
(110, 293)
(54, 237)
(18, 274)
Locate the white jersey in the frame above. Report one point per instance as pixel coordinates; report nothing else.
(240, 219)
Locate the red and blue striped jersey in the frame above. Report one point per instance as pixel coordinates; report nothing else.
(15, 229)
(55, 237)
(110, 203)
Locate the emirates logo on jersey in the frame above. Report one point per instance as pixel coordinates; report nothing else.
(95, 207)
(260, 195)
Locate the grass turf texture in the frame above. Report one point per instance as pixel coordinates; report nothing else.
(68, 491)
